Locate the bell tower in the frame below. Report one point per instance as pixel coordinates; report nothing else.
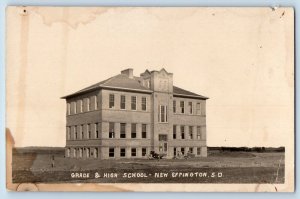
(161, 82)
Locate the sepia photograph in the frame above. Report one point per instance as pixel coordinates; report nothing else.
(193, 99)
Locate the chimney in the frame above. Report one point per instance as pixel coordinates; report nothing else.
(128, 72)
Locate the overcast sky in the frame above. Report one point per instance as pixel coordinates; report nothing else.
(242, 59)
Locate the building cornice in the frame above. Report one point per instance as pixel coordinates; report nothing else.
(189, 96)
(126, 89)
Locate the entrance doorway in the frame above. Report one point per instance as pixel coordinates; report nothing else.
(163, 143)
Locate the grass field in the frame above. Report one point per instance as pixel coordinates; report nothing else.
(218, 167)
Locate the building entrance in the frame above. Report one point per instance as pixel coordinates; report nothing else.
(163, 143)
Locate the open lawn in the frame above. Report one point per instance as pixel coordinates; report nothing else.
(218, 167)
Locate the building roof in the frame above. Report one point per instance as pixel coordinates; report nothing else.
(123, 82)
(184, 93)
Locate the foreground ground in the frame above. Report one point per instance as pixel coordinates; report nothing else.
(218, 167)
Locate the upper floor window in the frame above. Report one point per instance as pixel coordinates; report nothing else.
(80, 106)
(144, 131)
(181, 106)
(198, 132)
(133, 130)
(162, 137)
(88, 129)
(174, 106)
(162, 116)
(111, 100)
(111, 133)
(174, 132)
(148, 84)
(76, 133)
(144, 103)
(88, 108)
(68, 109)
(90, 103)
(96, 131)
(68, 133)
(182, 132)
(133, 102)
(122, 130)
(123, 102)
(198, 108)
(81, 132)
(191, 132)
(190, 107)
(74, 107)
(96, 102)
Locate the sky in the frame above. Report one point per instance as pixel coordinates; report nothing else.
(241, 58)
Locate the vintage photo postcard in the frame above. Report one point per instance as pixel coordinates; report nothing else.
(190, 99)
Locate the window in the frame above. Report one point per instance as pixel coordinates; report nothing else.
(174, 106)
(87, 152)
(90, 103)
(191, 132)
(174, 132)
(182, 132)
(88, 130)
(198, 132)
(182, 150)
(144, 103)
(68, 152)
(123, 102)
(198, 108)
(144, 131)
(81, 132)
(191, 150)
(80, 106)
(111, 133)
(190, 107)
(96, 102)
(175, 152)
(68, 109)
(181, 106)
(75, 133)
(87, 104)
(162, 137)
(123, 130)
(74, 153)
(75, 107)
(111, 152)
(133, 152)
(96, 131)
(133, 130)
(133, 102)
(68, 133)
(198, 151)
(111, 100)
(122, 152)
(162, 117)
(144, 151)
(95, 153)
(80, 152)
